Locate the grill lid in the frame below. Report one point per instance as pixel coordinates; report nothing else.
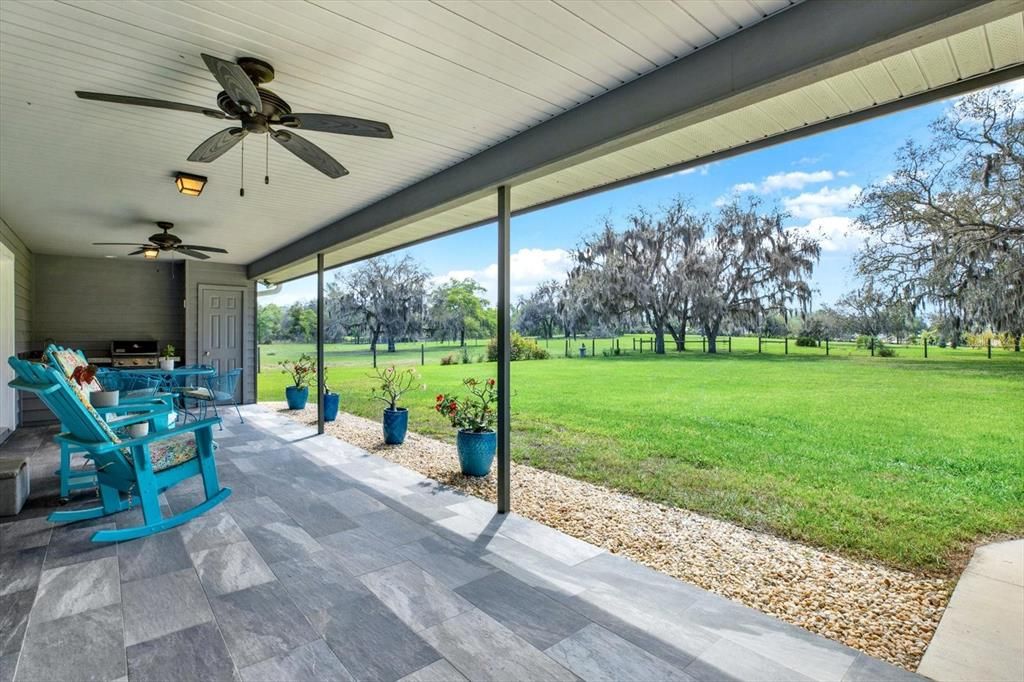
(137, 347)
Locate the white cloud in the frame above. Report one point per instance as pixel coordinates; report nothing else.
(529, 268)
(793, 180)
(808, 160)
(824, 202)
(834, 233)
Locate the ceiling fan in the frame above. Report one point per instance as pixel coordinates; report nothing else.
(165, 241)
(257, 109)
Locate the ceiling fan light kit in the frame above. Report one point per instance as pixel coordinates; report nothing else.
(257, 111)
(189, 184)
(165, 241)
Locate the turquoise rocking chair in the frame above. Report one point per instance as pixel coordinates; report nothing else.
(67, 359)
(141, 468)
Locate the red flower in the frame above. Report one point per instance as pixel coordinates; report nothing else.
(452, 405)
(490, 382)
(440, 397)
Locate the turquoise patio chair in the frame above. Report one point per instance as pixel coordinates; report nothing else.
(134, 391)
(141, 468)
(219, 388)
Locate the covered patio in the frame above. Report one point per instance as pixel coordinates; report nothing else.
(330, 563)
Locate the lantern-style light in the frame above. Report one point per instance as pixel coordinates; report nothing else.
(189, 184)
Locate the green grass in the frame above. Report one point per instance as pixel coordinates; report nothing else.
(903, 460)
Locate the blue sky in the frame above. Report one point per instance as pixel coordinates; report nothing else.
(813, 179)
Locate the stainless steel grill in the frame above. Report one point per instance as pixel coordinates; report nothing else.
(138, 353)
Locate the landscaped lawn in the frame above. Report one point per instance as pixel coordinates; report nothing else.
(903, 460)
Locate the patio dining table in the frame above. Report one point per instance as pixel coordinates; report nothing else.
(169, 378)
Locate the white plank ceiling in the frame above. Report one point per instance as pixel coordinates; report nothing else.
(451, 77)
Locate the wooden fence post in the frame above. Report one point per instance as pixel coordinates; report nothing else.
(826, 346)
(989, 348)
(423, 356)
(703, 344)
(872, 344)
(634, 343)
(593, 346)
(785, 340)
(926, 346)
(375, 356)
(758, 344)
(730, 343)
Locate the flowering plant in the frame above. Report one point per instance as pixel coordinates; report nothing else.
(302, 370)
(394, 384)
(474, 413)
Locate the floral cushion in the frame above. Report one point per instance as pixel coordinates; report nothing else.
(67, 361)
(164, 454)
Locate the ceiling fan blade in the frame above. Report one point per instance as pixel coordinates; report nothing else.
(136, 252)
(194, 247)
(342, 125)
(190, 252)
(146, 102)
(310, 153)
(215, 145)
(119, 244)
(235, 82)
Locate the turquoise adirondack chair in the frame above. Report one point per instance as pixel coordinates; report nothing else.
(85, 479)
(141, 468)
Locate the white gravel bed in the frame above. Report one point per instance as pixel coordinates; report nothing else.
(887, 613)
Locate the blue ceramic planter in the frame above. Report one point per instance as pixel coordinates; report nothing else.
(331, 403)
(396, 422)
(476, 451)
(296, 397)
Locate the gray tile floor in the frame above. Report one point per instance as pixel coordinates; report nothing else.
(328, 563)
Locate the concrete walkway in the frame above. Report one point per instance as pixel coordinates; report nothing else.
(981, 636)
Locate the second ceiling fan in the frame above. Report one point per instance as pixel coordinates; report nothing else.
(257, 109)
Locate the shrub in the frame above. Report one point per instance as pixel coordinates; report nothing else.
(449, 359)
(806, 341)
(465, 356)
(885, 352)
(864, 341)
(522, 349)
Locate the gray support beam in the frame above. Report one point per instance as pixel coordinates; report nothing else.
(504, 349)
(321, 381)
(802, 45)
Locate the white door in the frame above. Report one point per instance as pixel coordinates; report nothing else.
(7, 394)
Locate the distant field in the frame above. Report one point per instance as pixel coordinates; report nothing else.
(904, 460)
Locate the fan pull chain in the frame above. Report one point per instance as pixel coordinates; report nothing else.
(241, 182)
(266, 163)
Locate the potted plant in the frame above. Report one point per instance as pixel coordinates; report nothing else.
(331, 401)
(301, 371)
(167, 358)
(393, 385)
(474, 417)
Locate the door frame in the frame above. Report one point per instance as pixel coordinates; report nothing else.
(247, 365)
(8, 284)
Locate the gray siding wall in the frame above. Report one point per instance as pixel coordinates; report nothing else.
(22, 295)
(86, 303)
(198, 273)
